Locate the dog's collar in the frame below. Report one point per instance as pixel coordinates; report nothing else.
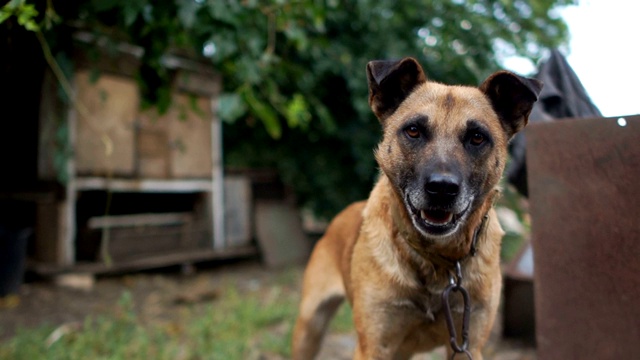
(481, 228)
(473, 249)
(447, 262)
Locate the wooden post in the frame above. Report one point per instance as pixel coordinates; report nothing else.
(67, 226)
(217, 179)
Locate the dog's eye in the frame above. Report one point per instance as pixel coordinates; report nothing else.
(412, 131)
(476, 139)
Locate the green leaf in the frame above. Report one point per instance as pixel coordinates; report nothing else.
(298, 36)
(264, 112)
(4, 15)
(187, 10)
(226, 12)
(131, 10)
(231, 107)
(50, 17)
(26, 16)
(324, 115)
(297, 112)
(15, 4)
(31, 26)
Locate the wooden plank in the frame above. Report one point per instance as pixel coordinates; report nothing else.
(189, 133)
(217, 177)
(127, 56)
(47, 244)
(67, 214)
(151, 219)
(45, 196)
(112, 103)
(51, 119)
(132, 243)
(197, 83)
(152, 143)
(176, 144)
(143, 185)
(153, 151)
(237, 210)
(175, 258)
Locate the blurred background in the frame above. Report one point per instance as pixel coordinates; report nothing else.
(140, 135)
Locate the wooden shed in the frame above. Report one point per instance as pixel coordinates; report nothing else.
(139, 189)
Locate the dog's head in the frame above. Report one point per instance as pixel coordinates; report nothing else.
(444, 147)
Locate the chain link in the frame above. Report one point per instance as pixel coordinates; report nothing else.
(456, 286)
(466, 352)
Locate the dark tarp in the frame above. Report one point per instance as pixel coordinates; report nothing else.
(562, 96)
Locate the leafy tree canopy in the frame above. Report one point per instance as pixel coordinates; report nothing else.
(295, 93)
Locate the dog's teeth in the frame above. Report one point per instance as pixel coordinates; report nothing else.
(449, 217)
(436, 218)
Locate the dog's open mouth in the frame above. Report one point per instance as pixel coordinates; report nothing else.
(436, 217)
(435, 221)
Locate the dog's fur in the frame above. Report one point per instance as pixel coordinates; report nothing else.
(441, 157)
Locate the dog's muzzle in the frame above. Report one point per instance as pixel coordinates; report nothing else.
(439, 206)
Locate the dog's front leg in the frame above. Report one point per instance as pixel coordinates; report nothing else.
(376, 347)
(359, 355)
(381, 331)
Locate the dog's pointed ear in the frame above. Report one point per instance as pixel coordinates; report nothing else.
(390, 82)
(512, 98)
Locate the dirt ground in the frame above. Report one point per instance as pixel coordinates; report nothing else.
(157, 294)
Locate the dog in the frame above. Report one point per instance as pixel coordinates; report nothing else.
(441, 157)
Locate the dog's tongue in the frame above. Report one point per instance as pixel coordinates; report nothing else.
(436, 217)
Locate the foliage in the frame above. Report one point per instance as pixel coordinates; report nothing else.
(24, 13)
(294, 83)
(513, 241)
(321, 53)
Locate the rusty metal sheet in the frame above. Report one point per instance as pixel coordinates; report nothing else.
(584, 182)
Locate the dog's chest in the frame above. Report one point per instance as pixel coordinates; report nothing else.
(426, 305)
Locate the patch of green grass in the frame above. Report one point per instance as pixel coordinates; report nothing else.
(343, 320)
(26, 344)
(120, 336)
(240, 324)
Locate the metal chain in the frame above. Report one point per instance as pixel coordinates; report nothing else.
(466, 352)
(456, 286)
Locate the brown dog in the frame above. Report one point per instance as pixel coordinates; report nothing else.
(442, 154)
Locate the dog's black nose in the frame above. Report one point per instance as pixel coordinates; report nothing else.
(443, 185)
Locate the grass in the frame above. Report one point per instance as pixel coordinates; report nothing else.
(117, 336)
(237, 325)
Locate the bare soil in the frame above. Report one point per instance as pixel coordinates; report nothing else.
(158, 296)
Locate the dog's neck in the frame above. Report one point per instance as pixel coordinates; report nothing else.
(458, 247)
(409, 257)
